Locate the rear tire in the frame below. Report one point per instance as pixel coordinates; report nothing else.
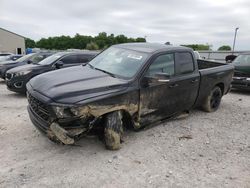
(113, 130)
(213, 100)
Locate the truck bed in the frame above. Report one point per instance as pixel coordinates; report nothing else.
(204, 64)
(212, 74)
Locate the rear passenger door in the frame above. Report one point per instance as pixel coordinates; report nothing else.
(186, 80)
(70, 60)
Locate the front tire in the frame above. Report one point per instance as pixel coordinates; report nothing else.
(113, 130)
(213, 100)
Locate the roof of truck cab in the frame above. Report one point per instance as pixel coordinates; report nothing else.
(150, 47)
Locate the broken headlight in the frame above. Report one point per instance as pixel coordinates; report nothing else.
(67, 112)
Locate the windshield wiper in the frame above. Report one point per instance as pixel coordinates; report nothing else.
(109, 73)
(89, 65)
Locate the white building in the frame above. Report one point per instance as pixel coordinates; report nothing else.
(11, 42)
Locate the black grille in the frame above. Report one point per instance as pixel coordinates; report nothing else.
(41, 109)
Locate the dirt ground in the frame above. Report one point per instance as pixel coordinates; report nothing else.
(203, 150)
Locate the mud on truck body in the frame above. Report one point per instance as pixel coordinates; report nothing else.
(127, 85)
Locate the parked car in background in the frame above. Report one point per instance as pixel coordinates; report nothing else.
(10, 58)
(17, 78)
(241, 79)
(134, 85)
(27, 59)
(5, 54)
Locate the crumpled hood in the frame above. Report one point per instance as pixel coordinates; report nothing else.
(76, 84)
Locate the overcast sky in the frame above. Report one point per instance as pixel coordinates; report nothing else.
(180, 22)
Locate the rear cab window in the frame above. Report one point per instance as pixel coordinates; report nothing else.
(184, 63)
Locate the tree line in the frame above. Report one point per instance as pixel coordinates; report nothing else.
(101, 41)
(198, 47)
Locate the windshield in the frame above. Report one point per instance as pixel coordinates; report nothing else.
(24, 58)
(242, 60)
(119, 62)
(5, 58)
(50, 59)
(37, 58)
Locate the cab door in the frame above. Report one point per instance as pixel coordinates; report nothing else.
(187, 80)
(157, 100)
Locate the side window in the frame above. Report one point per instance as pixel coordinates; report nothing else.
(70, 59)
(84, 58)
(162, 64)
(184, 62)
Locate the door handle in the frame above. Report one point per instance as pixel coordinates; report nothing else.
(195, 80)
(173, 85)
(163, 80)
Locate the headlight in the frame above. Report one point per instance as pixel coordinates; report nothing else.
(62, 112)
(22, 73)
(80, 111)
(67, 112)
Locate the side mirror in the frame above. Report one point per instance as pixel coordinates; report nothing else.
(29, 62)
(59, 64)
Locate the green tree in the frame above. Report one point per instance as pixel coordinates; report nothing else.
(29, 43)
(101, 41)
(224, 48)
(92, 46)
(140, 39)
(198, 46)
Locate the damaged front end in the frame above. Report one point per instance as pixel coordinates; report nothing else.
(60, 123)
(65, 124)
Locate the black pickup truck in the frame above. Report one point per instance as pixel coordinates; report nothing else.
(127, 85)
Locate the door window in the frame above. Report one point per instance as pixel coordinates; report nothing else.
(162, 64)
(84, 58)
(184, 62)
(70, 59)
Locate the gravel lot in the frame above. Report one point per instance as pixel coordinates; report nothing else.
(203, 150)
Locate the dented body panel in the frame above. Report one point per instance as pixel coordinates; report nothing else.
(83, 95)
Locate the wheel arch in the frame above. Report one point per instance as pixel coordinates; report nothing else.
(221, 86)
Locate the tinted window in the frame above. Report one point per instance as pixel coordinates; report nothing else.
(84, 58)
(70, 59)
(184, 62)
(162, 64)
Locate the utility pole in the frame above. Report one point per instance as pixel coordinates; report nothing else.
(235, 34)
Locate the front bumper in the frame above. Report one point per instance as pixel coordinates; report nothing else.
(241, 83)
(54, 131)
